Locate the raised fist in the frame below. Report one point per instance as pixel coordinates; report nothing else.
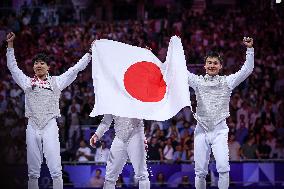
(10, 37)
(248, 41)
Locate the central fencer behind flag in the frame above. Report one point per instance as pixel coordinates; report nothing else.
(132, 82)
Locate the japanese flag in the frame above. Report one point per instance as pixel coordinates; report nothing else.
(132, 82)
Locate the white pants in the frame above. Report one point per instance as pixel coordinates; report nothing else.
(134, 148)
(204, 141)
(44, 142)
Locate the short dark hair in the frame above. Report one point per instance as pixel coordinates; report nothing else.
(41, 56)
(213, 54)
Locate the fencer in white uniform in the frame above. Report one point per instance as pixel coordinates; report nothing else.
(213, 96)
(129, 143)
(42, 95)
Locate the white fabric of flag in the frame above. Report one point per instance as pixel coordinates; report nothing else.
(132, 82)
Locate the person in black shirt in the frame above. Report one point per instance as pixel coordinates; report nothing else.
(154, 150)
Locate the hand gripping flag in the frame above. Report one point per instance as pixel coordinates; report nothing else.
(132, 82)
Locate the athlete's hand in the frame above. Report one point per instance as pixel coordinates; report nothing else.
(93, 43)
(248, 41)
(149, 48)
(93, 140)
(10, 37)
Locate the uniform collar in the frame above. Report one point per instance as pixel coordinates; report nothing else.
(46, 83)
(211, 78)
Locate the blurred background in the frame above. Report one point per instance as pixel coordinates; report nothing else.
(65, 29)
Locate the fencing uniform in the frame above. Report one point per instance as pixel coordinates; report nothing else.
(128, 143)
(42, 109)
(211, 133)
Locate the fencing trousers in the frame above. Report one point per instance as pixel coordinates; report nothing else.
(43, 142)
(217, 141)
(120, 151)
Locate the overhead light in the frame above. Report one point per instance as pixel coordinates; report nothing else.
(278, 1)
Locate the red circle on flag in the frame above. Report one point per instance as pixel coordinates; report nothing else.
(144, 81)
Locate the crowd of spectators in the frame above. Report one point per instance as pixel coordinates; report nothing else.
(256, 123)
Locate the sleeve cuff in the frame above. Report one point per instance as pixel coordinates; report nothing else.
(99, 137)
(83, 62)
(10, 49)
(250, 50)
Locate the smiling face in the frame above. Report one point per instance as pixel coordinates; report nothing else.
(41, 65)
(41, 69)
(212, 66)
